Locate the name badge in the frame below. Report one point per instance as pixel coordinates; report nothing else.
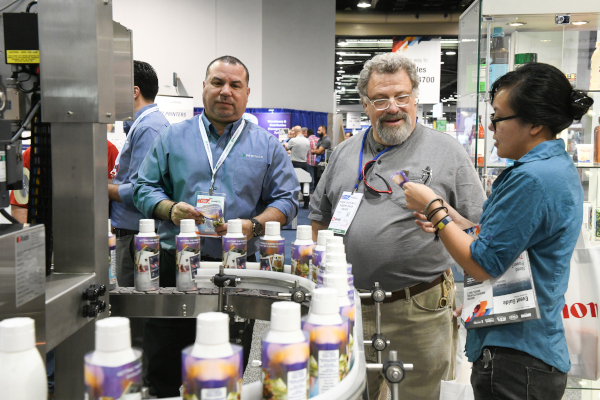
(345, 212)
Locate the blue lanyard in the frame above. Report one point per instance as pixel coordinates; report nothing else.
(362, 148)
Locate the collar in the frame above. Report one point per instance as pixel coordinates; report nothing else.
(143, 109)
(544, 150)
(210, 128)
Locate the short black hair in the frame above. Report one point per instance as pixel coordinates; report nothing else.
(324, 127)
(229, 60)
(310, 131)
(145, 78)
(540, 94)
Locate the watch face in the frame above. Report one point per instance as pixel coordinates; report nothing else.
(256, 228)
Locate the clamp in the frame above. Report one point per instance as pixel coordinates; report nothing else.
(95, 306)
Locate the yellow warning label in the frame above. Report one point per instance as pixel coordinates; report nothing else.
(22, 56)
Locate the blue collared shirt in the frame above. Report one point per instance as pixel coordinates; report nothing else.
(125, 215)
(536, 205)
(256, 174)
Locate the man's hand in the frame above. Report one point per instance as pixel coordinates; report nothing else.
(246, 229)
(183, 210)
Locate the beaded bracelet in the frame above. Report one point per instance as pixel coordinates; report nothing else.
(435, 211)
(171, 211)
(431, 202)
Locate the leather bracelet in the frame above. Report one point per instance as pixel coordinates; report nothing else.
(431, 202)
(171, 211)
(432, 214)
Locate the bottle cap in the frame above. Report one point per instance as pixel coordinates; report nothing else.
(335, 257)
(337, 281)
(146, 226)
(498, 32)
(187, 226)
(324, 301)
(272, 228)
(109, 232)
(322, 237)
(334, 240)
(336, 248)
(234, 226)
(113, 334)
(285, 316)
(304, 232)
(212, 328)
(17, 334)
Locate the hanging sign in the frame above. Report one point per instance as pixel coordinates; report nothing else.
(426, 54)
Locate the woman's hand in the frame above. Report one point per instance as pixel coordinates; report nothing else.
(421, 220)
(418, 196)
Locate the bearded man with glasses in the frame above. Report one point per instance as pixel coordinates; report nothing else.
(383, 243)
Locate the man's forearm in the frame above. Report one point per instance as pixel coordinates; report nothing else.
(316, 227)
(271, 214)
(113, 193)
(161, 211)
(320, 150)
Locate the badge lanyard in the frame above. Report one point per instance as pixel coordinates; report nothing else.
(362, 148)
(225, 153)
(135, 124)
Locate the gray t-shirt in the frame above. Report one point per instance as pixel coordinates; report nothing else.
(324, 142)
(299, 148)
(383, 243)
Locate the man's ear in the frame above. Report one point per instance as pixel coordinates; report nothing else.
(136, 92)
(535, 130)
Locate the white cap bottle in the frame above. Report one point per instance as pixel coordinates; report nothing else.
(285, 323)
(146, 269)
(212, 336)
(113, 343)
(340, 283)
(146, 227)
(324, 307)
(272, 248)
(187, 256)
(235, 245)
(318, 257)
(272, 230)
(22, 370)
(302, 250)
(112, 259)
(234, 228)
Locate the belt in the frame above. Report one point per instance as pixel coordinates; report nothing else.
(123, 232)
(401, 294)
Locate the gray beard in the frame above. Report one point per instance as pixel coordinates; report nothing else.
(390, 135)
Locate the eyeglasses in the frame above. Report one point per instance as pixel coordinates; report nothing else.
(369, 187)
(383, 104)
(496, 120)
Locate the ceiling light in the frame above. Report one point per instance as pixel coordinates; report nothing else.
(340, 72)
(342, 43)
(450, 53)
(545, 40)
(516, 23)
(580, 22)
(364, 4)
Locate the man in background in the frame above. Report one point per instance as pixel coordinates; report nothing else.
(299, 147)
(149, 121)
(310, 157)
(323, 144)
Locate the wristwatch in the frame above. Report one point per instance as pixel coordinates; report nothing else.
(257, 227)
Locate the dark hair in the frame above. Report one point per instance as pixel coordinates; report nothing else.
(145, 78)
(324, 128)
(311, 131)
(540, 94)
(229, 60)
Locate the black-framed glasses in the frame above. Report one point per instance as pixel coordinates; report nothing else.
(371, 188)
(496, 120)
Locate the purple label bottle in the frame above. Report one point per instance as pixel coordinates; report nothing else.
(146, 269)
(187, 260)
(272, 255)
(122, 382)
(285, 370)
(235, 245)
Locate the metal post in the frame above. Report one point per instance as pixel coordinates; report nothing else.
(378, 324)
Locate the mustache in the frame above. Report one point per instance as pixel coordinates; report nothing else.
(398, 115)
(225, 101)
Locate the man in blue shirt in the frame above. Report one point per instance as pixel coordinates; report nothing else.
(255, 174)
(124, 216)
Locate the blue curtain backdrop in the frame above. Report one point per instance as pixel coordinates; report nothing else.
(309, 119)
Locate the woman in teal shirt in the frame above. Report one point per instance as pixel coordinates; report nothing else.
(535, 205)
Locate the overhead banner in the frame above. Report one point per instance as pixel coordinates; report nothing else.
(175, 108)
(426, 54)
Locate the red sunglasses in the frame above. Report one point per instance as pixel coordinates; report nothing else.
(369, 187)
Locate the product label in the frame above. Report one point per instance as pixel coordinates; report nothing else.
(496, 71)
(187, 259)
(351, 287)
(329, 362)
(146, 269)
(212, 209)
(348, 312)
(112, 260)
(318, 267)
(301, 258)
(30, 265)
(272, 255)
(122, 382)
(212, 378)
(285, 370)
(234, 252)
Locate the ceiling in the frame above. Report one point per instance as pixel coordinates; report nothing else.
(407, 6)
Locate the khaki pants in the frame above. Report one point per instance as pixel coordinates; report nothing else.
(424, 334)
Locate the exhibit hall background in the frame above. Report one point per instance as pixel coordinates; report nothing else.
(287, 45)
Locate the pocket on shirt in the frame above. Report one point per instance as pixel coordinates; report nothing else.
(249, 176)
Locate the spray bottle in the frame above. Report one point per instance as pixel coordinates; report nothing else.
(330, 240)
(212, 367)
(340, 282)
(22, 370)
(328, 341)
(285, 354)
(187, 257)
(302, 250)
(112, 259)
(235, 245)
(147, 245)
(272, 248)
(318, 257)
(114, 369)
(336, 264)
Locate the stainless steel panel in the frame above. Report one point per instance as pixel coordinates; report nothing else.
(123, 63)
(35, 308)
(64, 305)
(161, 305)
(76, 60)
(69, 381)
(80, 199)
